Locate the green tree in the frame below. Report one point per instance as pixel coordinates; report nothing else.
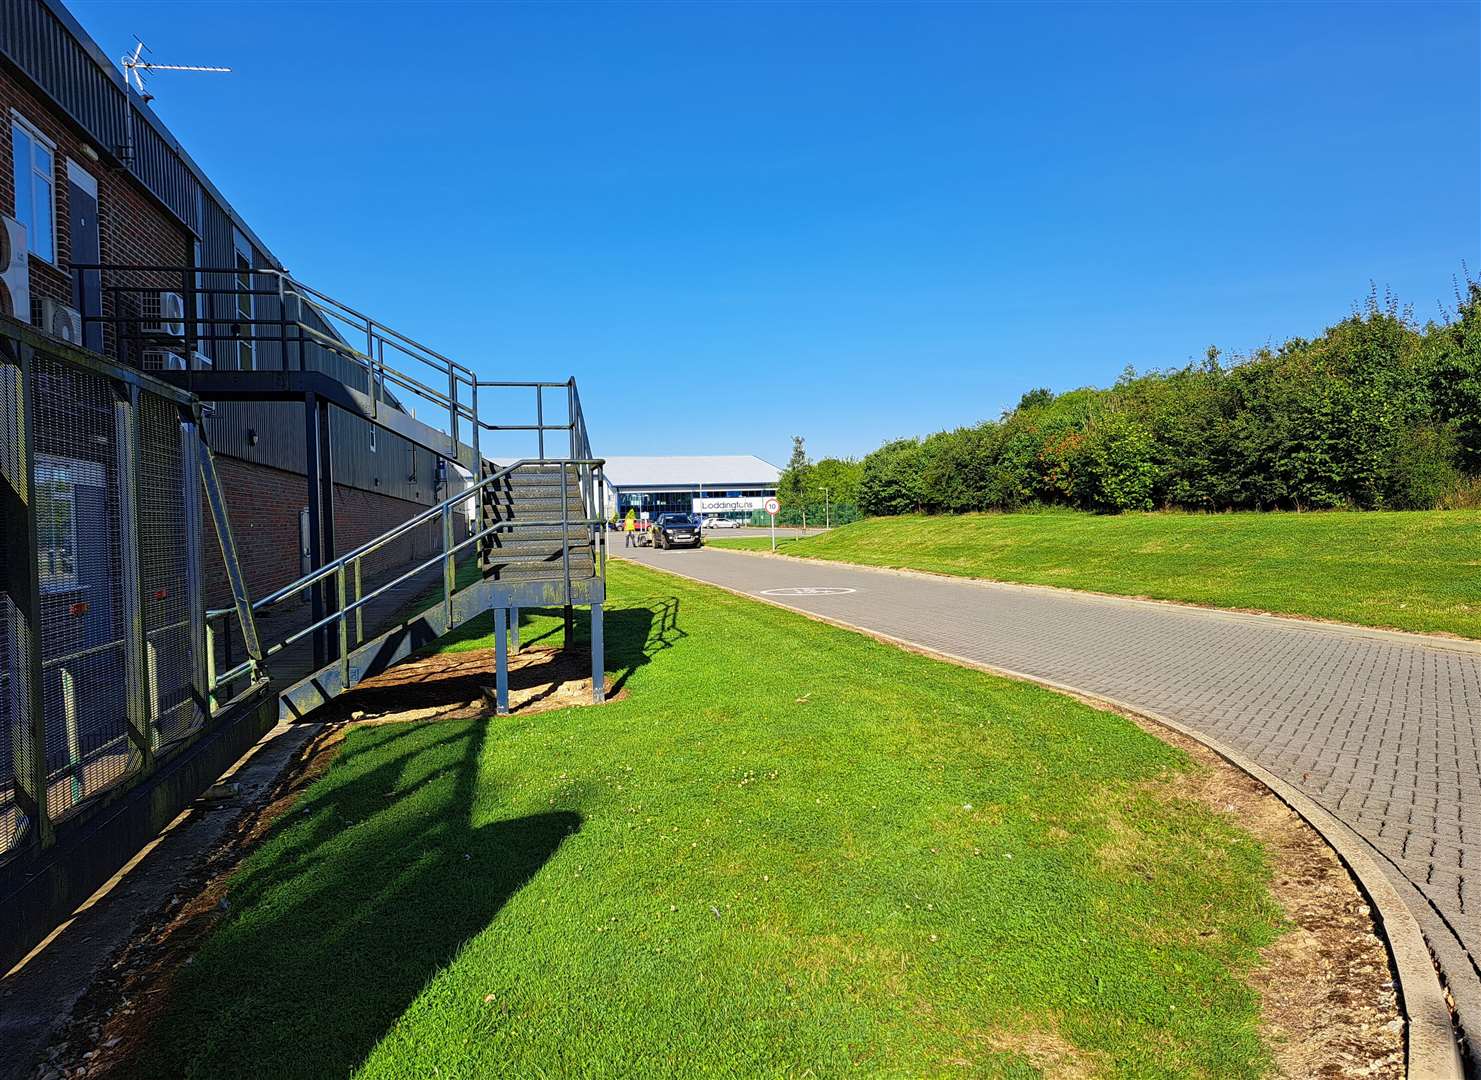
(792, 487)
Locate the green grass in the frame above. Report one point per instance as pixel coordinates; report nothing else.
(1412, 571)
(789, 850)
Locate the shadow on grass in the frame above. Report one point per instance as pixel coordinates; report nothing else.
(634, 633)
(362, 894)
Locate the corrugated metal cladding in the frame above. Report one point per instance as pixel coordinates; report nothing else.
(40, 42)
(34, 40)
(160, 170)
(42, 46)
(395, 467)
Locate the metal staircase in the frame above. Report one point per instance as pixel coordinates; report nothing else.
(530, 533)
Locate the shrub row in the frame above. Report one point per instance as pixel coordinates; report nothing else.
(1376, 413)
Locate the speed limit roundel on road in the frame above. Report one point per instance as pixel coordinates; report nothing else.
(772, 506)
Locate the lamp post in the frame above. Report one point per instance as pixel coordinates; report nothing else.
(827, 511)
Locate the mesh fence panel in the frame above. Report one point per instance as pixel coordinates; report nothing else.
(12, 684)
(163, 557)
(79, 562)
(12, 821)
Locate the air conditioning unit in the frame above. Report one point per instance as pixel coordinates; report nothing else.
(15, 277)
(161, 360)
(61, 321)
(162, 313)
(169, 360)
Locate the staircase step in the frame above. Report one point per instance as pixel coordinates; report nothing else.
(538, 571)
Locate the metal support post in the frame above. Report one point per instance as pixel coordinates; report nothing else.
(194, 580)
(24, 711)
(598, 660)
(317, 450)
(501, 661)
(568, 616)
(135, 648)
(449, 564)
(514, 630)
(210, 683)
(217, 502)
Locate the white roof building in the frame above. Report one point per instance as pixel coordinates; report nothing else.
(711, 472)
(733, 485)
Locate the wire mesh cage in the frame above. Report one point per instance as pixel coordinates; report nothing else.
(13, 686)
(79, 537)
(113, 495)
(164, 548)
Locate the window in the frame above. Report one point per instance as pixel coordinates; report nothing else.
(56, 523)
(246, 350)
(35, 196)
(245, 306)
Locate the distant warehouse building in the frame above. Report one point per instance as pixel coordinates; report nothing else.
(733, 486)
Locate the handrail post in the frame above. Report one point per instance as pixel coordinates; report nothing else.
(449, 563)
(452, 410)
(571, 412)
(344, 629)
(359, 608)
(566, 553)
(210, 671)
(540, 418)
(477, 453)
(601, 516)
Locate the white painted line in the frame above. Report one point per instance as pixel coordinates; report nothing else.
(809, 590)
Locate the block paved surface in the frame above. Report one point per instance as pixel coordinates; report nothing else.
(1379, 728)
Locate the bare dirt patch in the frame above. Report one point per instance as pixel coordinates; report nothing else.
(1328, 1003)
(460, 686)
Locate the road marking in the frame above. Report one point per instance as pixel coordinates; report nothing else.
(809, 590)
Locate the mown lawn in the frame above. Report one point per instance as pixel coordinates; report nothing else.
(1411, 571)
(788, 850)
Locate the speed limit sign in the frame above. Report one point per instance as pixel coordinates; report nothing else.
(772, 506)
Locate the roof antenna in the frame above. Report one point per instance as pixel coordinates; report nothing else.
(134, 66)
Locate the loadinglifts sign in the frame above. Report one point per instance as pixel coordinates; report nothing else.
(718, 505)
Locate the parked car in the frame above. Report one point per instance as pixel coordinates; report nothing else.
(721, 523)
(675, 530)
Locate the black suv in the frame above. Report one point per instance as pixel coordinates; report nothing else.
(675, 530)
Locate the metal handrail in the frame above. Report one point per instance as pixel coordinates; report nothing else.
(350, 561)
(337, 325)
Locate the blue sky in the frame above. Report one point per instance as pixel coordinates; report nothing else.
(736, 222)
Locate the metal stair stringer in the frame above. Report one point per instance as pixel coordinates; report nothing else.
(400, 641)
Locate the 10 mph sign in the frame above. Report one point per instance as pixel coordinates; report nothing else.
(772, 506)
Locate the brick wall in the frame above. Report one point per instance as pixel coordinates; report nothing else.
(264, 504)
(132, 227)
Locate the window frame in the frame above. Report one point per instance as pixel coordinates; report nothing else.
(56, 542)
(32, 132)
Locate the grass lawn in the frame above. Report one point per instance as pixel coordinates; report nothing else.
(1412, 571)
(788, 850)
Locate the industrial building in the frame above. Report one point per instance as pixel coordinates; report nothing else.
(730, 486)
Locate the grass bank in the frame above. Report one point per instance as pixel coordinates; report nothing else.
(788, 850)
(1411, 571)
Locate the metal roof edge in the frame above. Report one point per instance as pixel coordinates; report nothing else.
(115, 74)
